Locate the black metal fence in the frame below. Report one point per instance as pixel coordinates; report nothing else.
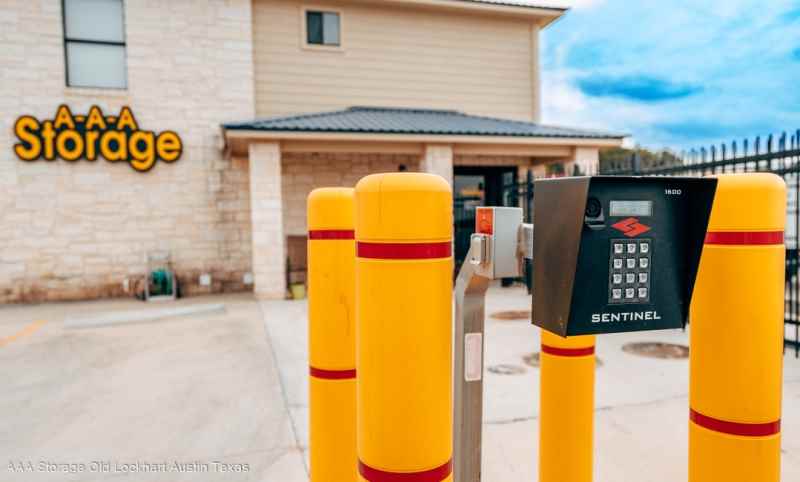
(779, 155)
(776, 154)
(520, 194)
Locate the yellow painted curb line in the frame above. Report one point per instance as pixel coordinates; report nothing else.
(28, 330)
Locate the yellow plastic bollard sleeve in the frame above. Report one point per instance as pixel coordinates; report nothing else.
(566, 408)
(404, 272)
(736, 334)
(331, 335)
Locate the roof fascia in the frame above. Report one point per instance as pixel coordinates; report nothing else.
(543, 16)
(273, 136)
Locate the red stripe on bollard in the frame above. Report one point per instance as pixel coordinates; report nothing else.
(735, 428)
(404, 250)
(433, 475)
(744, 237)
(331, 374)
(552, 350)
(331, 234)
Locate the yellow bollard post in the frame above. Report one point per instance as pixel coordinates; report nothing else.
(736, 335)
(404, 273)
(566, 408)
(331, 335)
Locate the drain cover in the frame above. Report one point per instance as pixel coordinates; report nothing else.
(505, 369)
(533, 360)
(669, 351)
(512, 315)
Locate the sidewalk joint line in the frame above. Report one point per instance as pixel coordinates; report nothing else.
(285, 397)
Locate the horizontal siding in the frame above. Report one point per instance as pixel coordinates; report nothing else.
(396, 57)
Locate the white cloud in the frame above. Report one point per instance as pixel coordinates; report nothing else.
(742, 63)
(579, 4)
(564, 104)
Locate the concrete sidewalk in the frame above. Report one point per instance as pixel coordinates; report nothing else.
(641, 403)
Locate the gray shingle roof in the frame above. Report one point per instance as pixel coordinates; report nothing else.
(388, 120)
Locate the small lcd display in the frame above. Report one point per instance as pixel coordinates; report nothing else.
(630, 208)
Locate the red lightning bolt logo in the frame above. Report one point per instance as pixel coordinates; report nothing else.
(631, 227)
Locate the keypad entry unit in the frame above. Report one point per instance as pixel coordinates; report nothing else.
(629, 271)
(616, 254)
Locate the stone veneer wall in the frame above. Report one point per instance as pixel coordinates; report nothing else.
(77, 230)
(304, 172)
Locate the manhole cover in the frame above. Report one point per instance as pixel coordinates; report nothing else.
(505, 369)
(512, 315)
(669, 351)
(533, 360)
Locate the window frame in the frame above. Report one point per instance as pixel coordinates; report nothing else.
(304, 44)
(66, 41)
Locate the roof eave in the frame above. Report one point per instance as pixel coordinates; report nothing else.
(543, 15)
(267, 135)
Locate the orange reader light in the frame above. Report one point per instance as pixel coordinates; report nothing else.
(484, 221)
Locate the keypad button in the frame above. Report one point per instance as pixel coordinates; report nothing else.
(642, 277)
(617, 279)
(618, 248)
(642, 292)
(617, 264)
(631, 263)
(644, 262)
(616, 293)
(629, 293)
(631, 248)
(630, 278)
(644, 247)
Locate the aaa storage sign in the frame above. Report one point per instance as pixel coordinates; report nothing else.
(114, 138)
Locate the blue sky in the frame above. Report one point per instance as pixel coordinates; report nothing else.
(676, 74)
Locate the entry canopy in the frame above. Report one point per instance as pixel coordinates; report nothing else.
(617, 254)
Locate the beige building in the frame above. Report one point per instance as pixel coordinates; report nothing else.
(213, 120)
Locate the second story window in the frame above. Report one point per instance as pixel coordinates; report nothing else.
(94, 43)
(323, 28)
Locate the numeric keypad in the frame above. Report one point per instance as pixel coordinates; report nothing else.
(629, 271)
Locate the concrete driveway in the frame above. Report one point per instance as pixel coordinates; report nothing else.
(197, 397)
(192, 398)
(641, 414)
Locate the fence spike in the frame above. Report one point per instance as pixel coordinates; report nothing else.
(733, 148)
(723, 152)
(713, 153)
(757, 147)
(745, 149)
(782, 142)
(769, 143)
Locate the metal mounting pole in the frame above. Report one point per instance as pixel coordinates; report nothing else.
(487, 259)
(468, 403)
